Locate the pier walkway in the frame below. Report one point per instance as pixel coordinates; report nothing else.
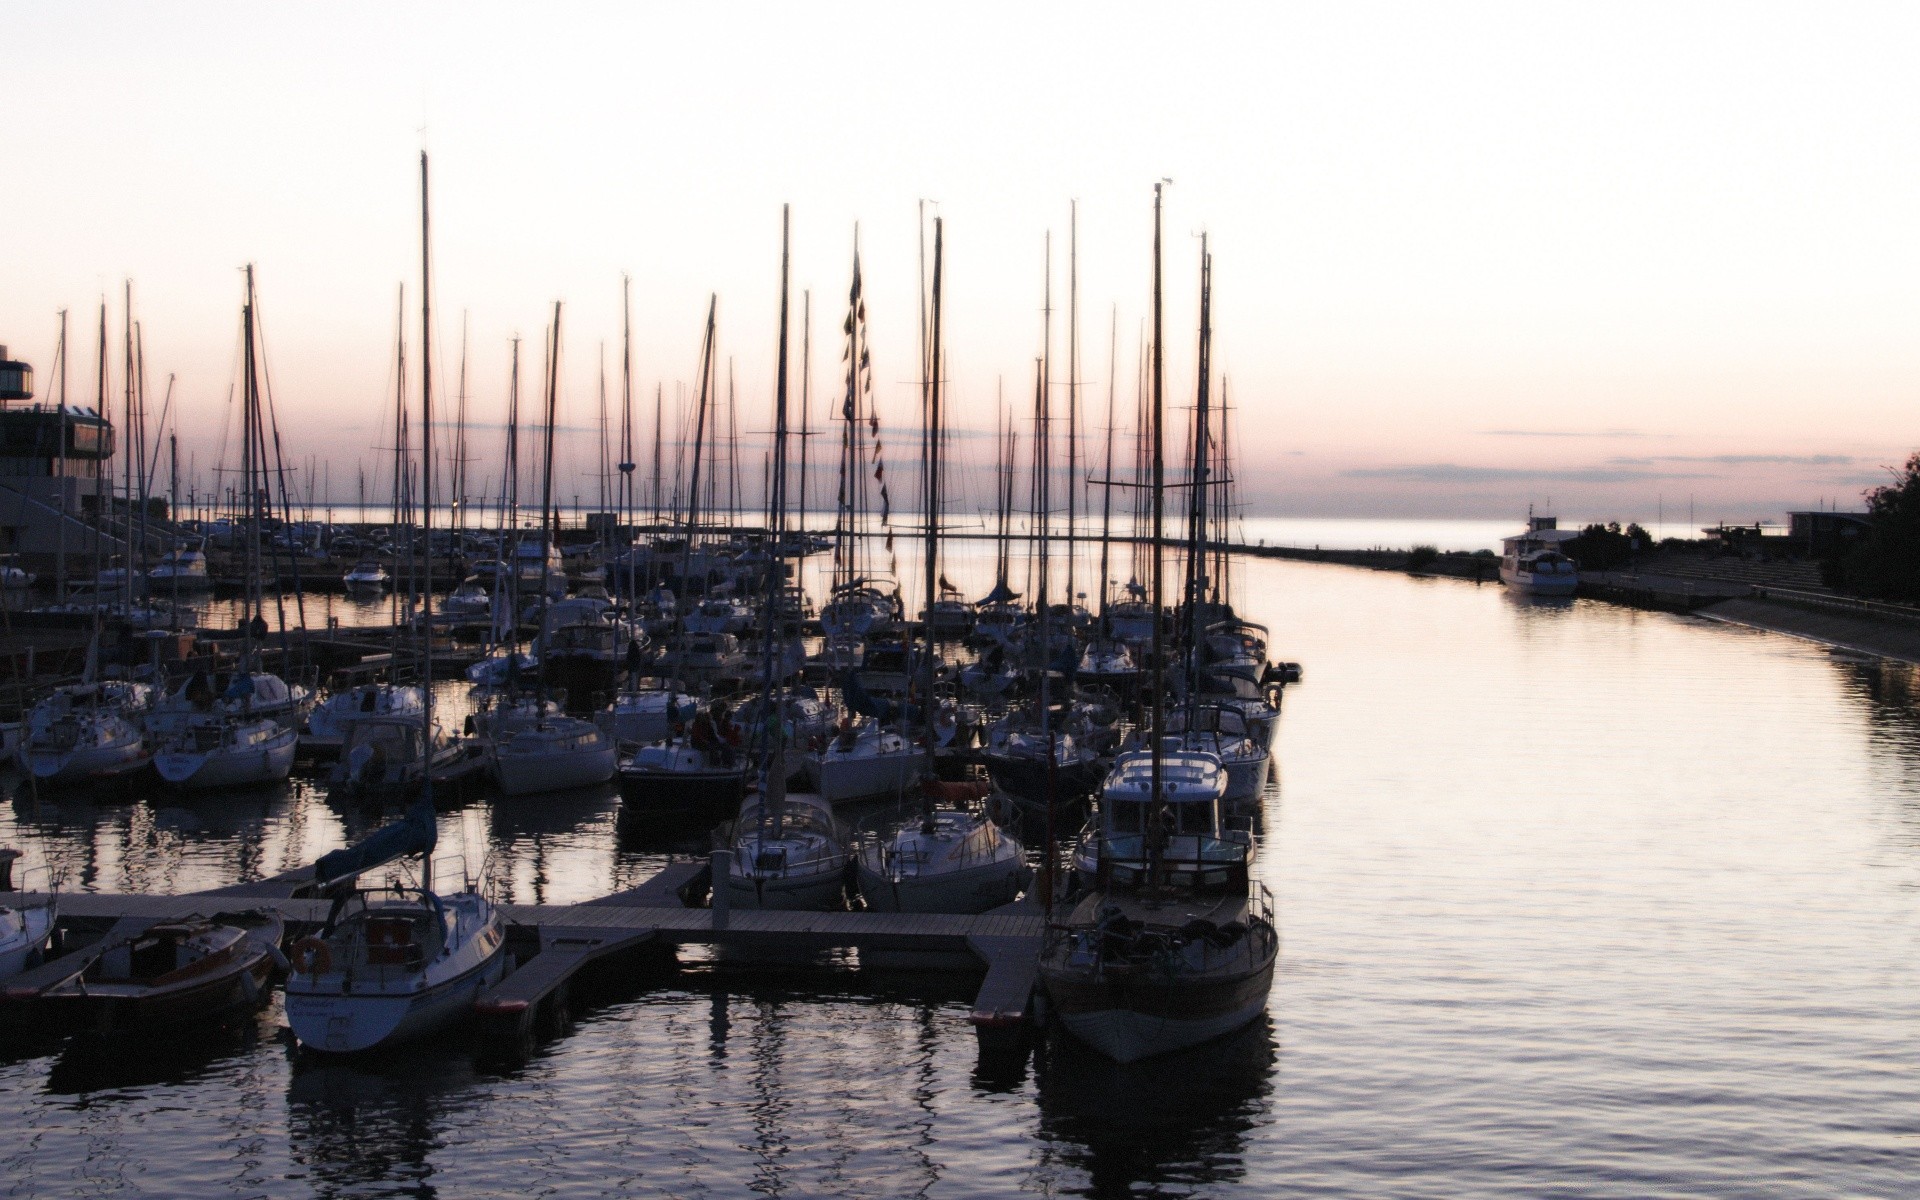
(556, 941)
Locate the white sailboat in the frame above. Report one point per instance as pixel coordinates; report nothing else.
(786, 853)
(554, 755)
(222, 749)
(947, 861)
(863, 760)
(393, 963)
(327, 724)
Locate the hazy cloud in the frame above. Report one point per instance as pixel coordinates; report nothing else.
(1454, 473)
(1741, 460)
(1566, 433)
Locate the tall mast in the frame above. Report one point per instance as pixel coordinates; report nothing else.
(806, 394)
(1197, 499)
(930, 389)
(426, 491)
(626, 423)
(699, 434)
(60, 546)
(547, 529)
(1073, 388)
(1158, 806)
(1106, 495)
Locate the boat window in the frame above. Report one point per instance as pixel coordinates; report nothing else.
(1129, 816)
(1195, 818)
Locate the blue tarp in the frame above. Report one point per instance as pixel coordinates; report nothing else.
(414, 833)
(860, 700)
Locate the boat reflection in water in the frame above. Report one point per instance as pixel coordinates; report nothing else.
(375, 1125)
(1160, 1126)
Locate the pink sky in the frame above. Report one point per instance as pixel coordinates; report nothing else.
(1468, 257)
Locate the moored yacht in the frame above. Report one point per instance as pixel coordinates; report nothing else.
(1174, 943)
(947, 860)
(392, 964)
(554, 755)
(1536, 562)
(863, 760)
(784, 852)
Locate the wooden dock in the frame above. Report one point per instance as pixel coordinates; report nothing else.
(555, 942)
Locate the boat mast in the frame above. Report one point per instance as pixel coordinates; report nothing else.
(548, 541)
(426, 490)
(699, 435)
(1157, 809)
(773, 763)
(60, 546)
(1200, 470)
(931, 400)
(626, 424)
(1106, 495)
(1073, 389)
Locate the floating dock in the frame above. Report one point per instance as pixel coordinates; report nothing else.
(553, 943)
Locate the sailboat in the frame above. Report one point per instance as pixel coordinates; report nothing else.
(391, 963)
(88, 732)
(1175, 942)
(26, 924)
(783, 851)
(951, 859)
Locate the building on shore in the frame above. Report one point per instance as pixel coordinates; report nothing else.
(53, 473)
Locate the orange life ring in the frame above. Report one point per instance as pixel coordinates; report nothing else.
(311, 956)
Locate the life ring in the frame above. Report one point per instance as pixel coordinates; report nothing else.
(311, 956)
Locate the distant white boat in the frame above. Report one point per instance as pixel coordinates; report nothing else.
(1534, 562)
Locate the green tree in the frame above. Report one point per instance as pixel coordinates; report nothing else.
(1886, 563)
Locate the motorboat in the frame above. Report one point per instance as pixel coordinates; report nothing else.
(1108, 662)
(395, 756)
(863, 760)
(1018, 759)
(554, 755)
(784, 852)
(719, 614)
(222, 749)
(946, 860)
(585, 643)
(1173, 943)
(1132, 619)
(1535, 562)
(499, 670)
(950, 616)
(1193, 788)
(471, 601)
(367, 575)
(859, 608)
(1222, 731)
(159, 976)
(646, 715)
(249, 693)
(184, 568)
(703, 654)
(329, 721)
(674, 776)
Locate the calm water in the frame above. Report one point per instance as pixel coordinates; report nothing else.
(1576, 901)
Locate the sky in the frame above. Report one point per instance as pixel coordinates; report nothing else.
(1467, 257)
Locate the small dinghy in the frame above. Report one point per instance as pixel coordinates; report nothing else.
(160, 976)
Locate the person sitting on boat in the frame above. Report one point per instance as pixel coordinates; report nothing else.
(716, 735)
(200, 691)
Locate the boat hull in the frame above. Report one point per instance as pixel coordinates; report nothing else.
(1027, 778)
(969, 890)
(811, 892)
(1128, 1018)
(112, 1009)
(684, 792)
(838, 780)
(352, 1024)
(67, 768)
(522, 775)
(229, 767)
